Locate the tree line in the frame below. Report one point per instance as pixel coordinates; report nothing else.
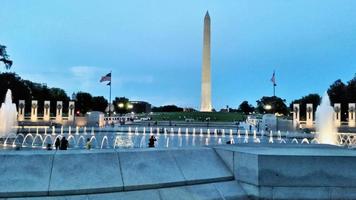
(339, 92)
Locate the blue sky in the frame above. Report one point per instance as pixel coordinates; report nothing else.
(154, 47)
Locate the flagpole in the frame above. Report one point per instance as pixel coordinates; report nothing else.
(110, 95)
(273, 79)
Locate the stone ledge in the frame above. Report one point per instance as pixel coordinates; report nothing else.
(230, 190)
(78, 172)
(274, 172)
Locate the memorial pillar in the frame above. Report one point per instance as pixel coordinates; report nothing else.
(352, 114)
(59, 109)
(34, 107)
(21, 111)
(337, 114)
(310, 115)
(46, 110)
(71, 109)
(296, 115)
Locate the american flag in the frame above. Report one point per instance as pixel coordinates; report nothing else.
(273, 79)
(107, 77)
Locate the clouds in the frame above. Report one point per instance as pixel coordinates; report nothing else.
(158, 57)
(86, 77)
(133, 79)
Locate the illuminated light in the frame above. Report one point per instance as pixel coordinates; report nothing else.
(268, 107)
(121, 105)
(129, 106)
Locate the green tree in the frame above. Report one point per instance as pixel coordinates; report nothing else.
(338, 94)
(4, 57)
(246, 108)
(311, 98)
(351, 90)
(122, 105)
(58, 94)
(167, 108)
(272, 104)
(83, 102)
(99, 103)
(28, 91)
(18, 88)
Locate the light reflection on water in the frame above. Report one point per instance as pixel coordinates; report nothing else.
(109, 140)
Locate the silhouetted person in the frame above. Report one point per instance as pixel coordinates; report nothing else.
(64, 144)
(49, 147)
(151, 141)
(57, 143)
(250, 127)
(88, 144)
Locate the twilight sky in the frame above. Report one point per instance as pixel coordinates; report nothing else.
(154, 47)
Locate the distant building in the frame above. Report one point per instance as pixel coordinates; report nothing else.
(140, 107)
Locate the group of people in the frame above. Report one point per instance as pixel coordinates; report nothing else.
(62, 144)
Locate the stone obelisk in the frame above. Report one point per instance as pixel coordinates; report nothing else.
(205, 105)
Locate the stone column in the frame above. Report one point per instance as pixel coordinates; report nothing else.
(34, 107)
(296, 115)
(46, 110)
(352, 114)
(71, 109)
(337, 114)
(310, 115)
(21, 110)
(59, 109)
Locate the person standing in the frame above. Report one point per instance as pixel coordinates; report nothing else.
(64, 144)
(57, 143)
(88, 144)
(151, 141)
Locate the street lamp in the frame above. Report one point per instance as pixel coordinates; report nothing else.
(129, 106)
(121, 105)
(267, 107)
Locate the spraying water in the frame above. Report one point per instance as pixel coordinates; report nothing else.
(327, 133)
(8, 116)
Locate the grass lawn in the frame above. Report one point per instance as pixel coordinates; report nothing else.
(198, 116)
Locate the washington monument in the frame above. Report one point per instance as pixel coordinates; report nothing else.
(205, 105)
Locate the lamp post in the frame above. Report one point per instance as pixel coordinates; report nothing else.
(267, 107)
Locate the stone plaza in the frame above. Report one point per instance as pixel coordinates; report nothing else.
(261, 155)
(246, 171)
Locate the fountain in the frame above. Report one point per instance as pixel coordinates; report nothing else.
(8, 116)
(327, 133)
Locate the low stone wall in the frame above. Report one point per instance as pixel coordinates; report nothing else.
(293, 171)
(49, 173)
(227, 190)
(257, 171)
